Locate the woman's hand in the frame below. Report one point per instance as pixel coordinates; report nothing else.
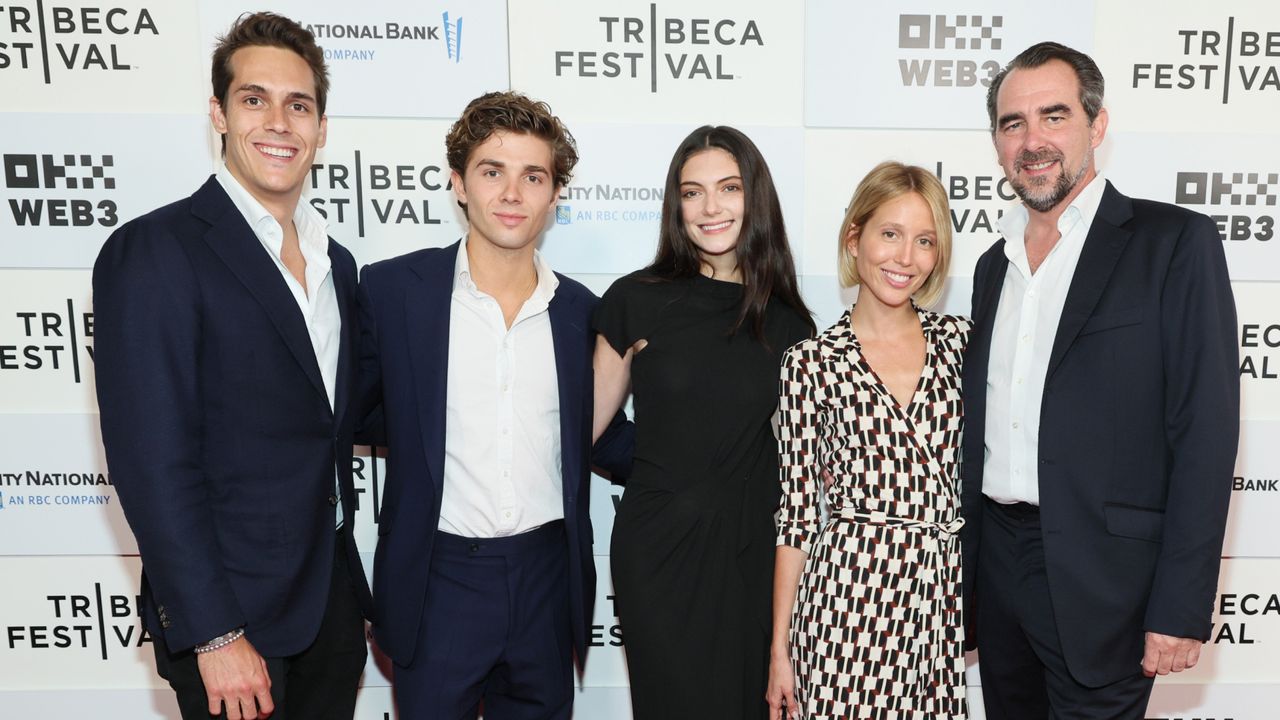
(781, 694)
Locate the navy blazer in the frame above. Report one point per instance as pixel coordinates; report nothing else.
(405, 306)
(1138, 433)
(218, 432)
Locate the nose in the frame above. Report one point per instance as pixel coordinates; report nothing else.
(711, 205)
(511, 189)
(276, 119)
(905, 253)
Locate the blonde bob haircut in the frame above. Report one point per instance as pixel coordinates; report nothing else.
(885, 182)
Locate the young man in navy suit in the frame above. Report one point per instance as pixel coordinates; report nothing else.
(1101, 394)
(225, 363)
(480, 356)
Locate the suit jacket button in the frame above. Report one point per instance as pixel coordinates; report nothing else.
(164, 623)
(333, 500)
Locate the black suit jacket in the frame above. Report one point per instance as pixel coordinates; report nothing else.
(218, 432)
(1138, 433)
(405, 304)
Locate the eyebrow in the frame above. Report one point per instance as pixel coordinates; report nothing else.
(260, 90)
(502, 166)
(727, 178)
(1055, 109)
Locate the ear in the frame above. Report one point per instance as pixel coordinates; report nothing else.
(459, 188)
(1098, 129)
(324, 131)
(217, 116)
(555, 194)
(851, 237)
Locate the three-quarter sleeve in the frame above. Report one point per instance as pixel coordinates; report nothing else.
(799, 433)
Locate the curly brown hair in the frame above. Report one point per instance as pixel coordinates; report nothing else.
(516, 113)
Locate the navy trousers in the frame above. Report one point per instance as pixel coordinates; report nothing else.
(1024, 675)
(495, 631)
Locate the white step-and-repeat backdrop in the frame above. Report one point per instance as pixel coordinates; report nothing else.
(103, 117)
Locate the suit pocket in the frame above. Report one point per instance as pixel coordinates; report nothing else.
(1112, 321)
(1134, 522)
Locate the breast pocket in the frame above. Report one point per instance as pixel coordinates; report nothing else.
(1112, 321)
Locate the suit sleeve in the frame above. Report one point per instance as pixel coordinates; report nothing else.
(1202, 413)
(147, 313)
(370, 428)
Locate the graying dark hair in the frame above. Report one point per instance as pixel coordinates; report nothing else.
(1091, 83)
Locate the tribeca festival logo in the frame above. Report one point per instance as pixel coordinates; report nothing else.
(1258, 345)
(1241, 203)
(972, 198)
(77, 174)
(968, 40)
(88, 621)
(662, 49)
(609, 203)
(1219, 60)
(356, 41)
(48, 341)
(368, 474)
(52, 39)
(368, 193)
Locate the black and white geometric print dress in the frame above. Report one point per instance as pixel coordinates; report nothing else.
(876, 630)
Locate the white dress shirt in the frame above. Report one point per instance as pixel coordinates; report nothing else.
(502, 428)
(318, 301)
(1026, 324)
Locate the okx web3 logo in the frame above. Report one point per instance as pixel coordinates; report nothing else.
(68, 189)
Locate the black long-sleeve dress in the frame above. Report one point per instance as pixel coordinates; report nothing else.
(693, 540)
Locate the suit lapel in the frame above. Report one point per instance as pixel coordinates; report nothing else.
(344, 288)
(233, 240)
(567, 336)
(1102, 248)
(427, 305)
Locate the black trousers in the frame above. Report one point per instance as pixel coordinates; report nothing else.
(495, 631)
(317, 684)
(1024, 674)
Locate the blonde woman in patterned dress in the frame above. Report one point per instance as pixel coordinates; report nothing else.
(866, 603)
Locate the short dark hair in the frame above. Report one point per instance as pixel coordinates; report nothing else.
(515, 113)
(763, 253)
(270, 30)
(1092, 86)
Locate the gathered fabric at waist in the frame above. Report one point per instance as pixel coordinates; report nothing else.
(939, 530)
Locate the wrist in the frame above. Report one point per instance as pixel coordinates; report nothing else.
(219, 642)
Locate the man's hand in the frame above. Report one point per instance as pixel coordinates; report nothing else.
(1165, 654)
(237, 675)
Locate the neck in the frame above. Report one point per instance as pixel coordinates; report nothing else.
(280, 205)
(498, 270)
(871, 317)
(721, 267)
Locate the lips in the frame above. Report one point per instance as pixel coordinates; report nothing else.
(509, 220)
(897, 280)
(712, 228)
(276, 151)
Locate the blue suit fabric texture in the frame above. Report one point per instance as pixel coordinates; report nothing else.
(405, 309)
(1138, 435)
(219, 435)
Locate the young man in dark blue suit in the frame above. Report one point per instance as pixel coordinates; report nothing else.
(1101, 394)
(480, 356)
(225, 353)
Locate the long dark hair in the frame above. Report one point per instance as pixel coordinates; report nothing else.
(763, 253)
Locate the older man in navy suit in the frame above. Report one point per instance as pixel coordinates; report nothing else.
(1101, 395)
(480, 356)
(225, 363)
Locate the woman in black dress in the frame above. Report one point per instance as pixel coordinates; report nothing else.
(699, 335)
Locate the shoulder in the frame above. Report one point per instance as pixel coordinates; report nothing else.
(399, 265)
(575, 293)
(1164, 218)
(637, 287)
(952, 330)
(152, 241)
(820, 346)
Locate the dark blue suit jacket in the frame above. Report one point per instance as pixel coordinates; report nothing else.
(404, 304)
(218, 432)
(1138, 433)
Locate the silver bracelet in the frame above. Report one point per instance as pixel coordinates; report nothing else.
(219, 642)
